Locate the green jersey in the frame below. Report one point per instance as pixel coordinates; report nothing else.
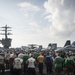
(36, 55)
(25, 57)
(58, 62)
(69, 62)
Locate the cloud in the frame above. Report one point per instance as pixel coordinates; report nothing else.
(28, 8)
(62, 16)
(33, 27)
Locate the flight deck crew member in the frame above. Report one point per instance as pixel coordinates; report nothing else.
(58, 64)
(17, 65)
(2, 68)
(31, 65)
(49, 63)
(25, 58)
(40, 60)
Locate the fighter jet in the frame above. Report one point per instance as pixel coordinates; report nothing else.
(68, 46)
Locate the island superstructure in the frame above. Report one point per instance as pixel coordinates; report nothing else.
(6, 42)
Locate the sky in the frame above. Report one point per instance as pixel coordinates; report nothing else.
(38, 21)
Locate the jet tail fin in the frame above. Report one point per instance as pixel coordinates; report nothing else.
(68, 42)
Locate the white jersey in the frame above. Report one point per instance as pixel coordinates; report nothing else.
(20, 55)
(7, 56)
(18, 63)
(12, 56)
(31, 62)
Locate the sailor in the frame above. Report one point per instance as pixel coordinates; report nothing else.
(40, 60)
(69, 64)
(17, 65)
(25, 58)
(31, 65)
(49, 63)
(58, 64)
(2, 67)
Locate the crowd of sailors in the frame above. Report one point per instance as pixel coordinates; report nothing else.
(23, 62)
